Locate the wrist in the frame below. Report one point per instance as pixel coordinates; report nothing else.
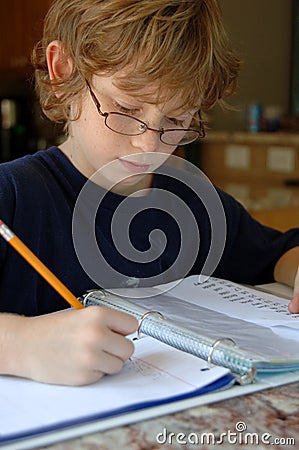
(12, 344)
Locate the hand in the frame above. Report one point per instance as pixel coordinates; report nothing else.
(286, 272)
(72, 347)
(294, 303)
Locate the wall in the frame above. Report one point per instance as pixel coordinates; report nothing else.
(261, 32)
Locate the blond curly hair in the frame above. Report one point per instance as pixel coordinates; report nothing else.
(179, 45)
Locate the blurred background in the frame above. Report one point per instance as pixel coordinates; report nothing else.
(251, 152)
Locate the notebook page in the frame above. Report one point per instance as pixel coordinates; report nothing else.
(215, 325)
(237, 301)
(156, 371)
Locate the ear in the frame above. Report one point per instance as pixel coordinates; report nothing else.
(59, 66)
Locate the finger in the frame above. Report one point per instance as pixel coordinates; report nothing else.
(120, 322)
(294, 304)
(116, 345)
(296, 283)
(109, 364)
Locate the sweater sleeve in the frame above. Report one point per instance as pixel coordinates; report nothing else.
(251, 249)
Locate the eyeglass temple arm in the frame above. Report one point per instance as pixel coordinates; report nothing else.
(95, 100)
(201, 124)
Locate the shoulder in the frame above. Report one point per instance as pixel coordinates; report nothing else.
(191, 185)
(42, 169)
(18, 170)
(20, 179)
(210, 204)
(33, 181)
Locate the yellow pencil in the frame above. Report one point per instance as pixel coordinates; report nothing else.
(30, 257)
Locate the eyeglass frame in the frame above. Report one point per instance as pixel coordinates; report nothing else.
(201, 131)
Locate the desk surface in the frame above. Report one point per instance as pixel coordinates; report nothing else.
(270, 414)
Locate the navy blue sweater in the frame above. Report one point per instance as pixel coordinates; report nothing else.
(37, 198)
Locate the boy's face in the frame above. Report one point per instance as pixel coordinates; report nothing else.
(92, 145)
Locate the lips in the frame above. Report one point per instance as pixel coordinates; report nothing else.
(135, 167)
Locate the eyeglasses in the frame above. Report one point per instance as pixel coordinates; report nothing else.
(131, 126)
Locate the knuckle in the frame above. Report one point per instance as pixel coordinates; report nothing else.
(91, 337)
(85, 378)
(129, 349)
(133, 324)
(88, 360)
(116, 366)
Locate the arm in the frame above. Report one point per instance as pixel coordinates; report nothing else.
(72, 347)
(287, 272)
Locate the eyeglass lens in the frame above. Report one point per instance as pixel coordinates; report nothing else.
(130, 126)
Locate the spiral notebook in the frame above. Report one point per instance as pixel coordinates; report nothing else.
(194, 340)
(219, 321)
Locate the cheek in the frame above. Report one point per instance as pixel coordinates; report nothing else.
(101, 145)
(167, 149)
(90, 126)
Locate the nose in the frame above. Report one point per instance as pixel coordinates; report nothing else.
(149, 141)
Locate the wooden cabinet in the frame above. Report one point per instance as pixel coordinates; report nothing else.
(264, 157)
(261, 170)
(21, 23)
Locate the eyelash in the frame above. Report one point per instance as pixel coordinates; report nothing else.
(134, 112)
(176, 121)
(124, 110)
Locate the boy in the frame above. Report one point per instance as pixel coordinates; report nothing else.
(128, 79)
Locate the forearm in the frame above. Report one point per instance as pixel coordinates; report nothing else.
(287, 266)
(12, 328)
